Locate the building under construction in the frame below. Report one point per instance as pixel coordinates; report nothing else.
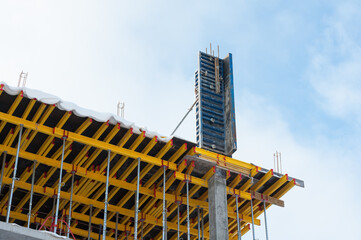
(87, 175)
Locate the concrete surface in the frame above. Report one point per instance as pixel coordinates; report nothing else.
(12, 231)
(217, 201)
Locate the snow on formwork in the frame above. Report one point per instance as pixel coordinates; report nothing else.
(79, 111)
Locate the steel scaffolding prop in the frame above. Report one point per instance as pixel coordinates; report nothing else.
(71, 201)
(14, 175)
(2, 171)
(106, 198)
(59, 185)
(239, 234)
(265, 218)
(31, 193)
(164, 206)
(188, 223)
(90, 221)
(136, 209)
(253, 232)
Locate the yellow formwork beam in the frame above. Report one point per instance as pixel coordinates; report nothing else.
(56, 132)
(13, 107)
(262, 181)
(226, 162)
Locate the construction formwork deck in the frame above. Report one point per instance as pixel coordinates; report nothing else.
(86, 151)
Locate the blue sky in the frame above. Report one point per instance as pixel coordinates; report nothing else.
(297, 69)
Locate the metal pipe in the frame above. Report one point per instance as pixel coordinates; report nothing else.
(202, 223)
(238, 223)
(52, 213)
(71, 202)
(189, 110)
(188, 224)
(106, 199)
(116, 225)
(31, 193)
(2, 171)
(141, 230)
(136, 203)
(254, 237)
(265, 219)
(59, 185)
(164, 207)
(199, 223)
(14, 175)
(178, 221)
(90, 221)
(100, 231)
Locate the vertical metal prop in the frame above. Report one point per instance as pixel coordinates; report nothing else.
(90, 221)
(136, 203)
(71, 202)
(254, 237)
(116, 225)
(31, 193)
(238, 223)
(178, 221)
(188, 223)
(59, 186)
(14, 175)
(141, 230)
(202, 223)
(52, 213)
(106, 199)
(100, 231)
(2, 171)
(164, 208)
(199, 223)
(265, 219)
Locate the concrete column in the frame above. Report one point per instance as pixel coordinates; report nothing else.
(217, 201)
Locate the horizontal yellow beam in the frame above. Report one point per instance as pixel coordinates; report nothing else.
(71, 136)
(224, 161)
(204, 183)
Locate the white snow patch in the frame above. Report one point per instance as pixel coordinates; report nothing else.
(79, 111)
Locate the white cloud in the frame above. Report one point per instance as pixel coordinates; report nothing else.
(335, 71)
(330, 198)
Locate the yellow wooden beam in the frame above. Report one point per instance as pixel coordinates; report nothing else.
(56, 132)
(262, 181)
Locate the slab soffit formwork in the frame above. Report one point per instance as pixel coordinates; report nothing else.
(89, 134)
